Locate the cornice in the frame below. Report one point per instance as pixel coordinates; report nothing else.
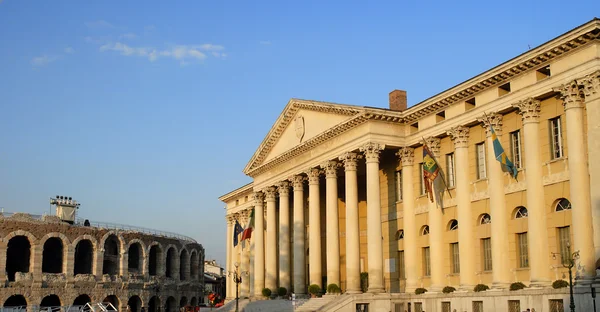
(535, 58)
(237, 192)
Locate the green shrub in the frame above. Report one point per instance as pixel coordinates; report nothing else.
(281, 291)
(333, 289)
(419, 291)
(517, 286)
(266, 292)
(314, 289)
(560, 284)
(364, 281)
(448, 289)
(480, 287)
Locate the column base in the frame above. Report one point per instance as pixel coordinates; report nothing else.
(375, 290)
(353, 291)
(540, 284)
(500, 285)
(466, 288)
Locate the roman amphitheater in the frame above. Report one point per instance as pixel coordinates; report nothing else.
(46, 262)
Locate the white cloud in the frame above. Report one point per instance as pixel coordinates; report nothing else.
(69, 50)
(265, 42)
(43, 60)
(128, 36)
(99, 24)
(181, 53)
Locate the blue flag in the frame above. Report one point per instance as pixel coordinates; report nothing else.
(505, 163)
(237, 230)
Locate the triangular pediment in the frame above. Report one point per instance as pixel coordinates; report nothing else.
(300, 121)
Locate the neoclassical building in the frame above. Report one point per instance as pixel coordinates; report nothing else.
(338, 190)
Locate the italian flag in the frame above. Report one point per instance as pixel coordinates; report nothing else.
(248, 231)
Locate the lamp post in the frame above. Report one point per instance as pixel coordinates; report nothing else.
(569, 263)
(237, 279)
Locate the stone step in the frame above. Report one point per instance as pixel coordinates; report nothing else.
(314, 304)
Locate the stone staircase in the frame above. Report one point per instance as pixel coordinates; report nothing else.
(230, 306)
(314, 304)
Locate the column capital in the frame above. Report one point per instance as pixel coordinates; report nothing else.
(270, 193)
(298, 182)
(350, 159)
(330, 167)
(407, 156)
(283, 188)
(493, 120)
(571, 94)
(230, 219)
(258, 197)
(591, 85)
(313, 175)
(459, 136)
(244, 215)
(529, 109)
(371, 151)
(433, 144)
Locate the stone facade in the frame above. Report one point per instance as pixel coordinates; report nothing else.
(46, 262)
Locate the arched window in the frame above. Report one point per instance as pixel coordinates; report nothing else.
(563, 204)
(485, 219)
(399, 234)
(453, 225)
(520, 212)
(425, 230)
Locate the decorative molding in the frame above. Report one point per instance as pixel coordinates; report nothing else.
(371, 151)
(419, 209)
(562, 176)
(270, 193)
(571, 94)
(313, 175)
(298, 182)
(258, 198)
(529, 109)
(591, 85)
(283, 188)
(406, 155)
(433, 144)
(350, 160)
(330, 167)
(459, 136)
(230, 219)
(515, 187)
(492, 119)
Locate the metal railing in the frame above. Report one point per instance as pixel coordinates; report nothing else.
(116, 226)
(72, 308)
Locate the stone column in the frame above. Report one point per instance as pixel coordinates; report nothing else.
(500, 267)
(251, 255)
(36, 259)
(271, 240)
(407, 156)
(68, 262)
(460, 138)
(537, 234)
(352, 229)
(332, 227)
(229, 250)
(99, 266)
(124, 264)
(284, 235)
(591, 85)
(374, 236)
(572, 95)
(259, 244)
(245, 260)
(3, 262)
(299, 228)
(436, 230)
(314, 223)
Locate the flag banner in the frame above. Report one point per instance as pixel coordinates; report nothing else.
(237, 230)
(433, 178)
(248, 231)
(505, 163)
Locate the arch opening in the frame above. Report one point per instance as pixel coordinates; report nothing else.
(194, 302)
(84, 257)
(520, 212)
(15, 301)
(171, 305)
(184, 265)
(453, 225)
(134, 263)
(18, 255)
(183, 302)
(562, 204)
(194, 265)
(154, 304)
(112, 299)
(111, 256)
(50, 301)
(425, 230)
(81, 300)
(135, 304)
(52, 257)
(171, 256)
(485, 218)
(153, 261)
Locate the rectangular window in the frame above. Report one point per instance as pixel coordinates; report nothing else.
(418, 307)
(557, 305)
(398, 185)
(477, 306)
(523, 251)
(446, 307)
(514, 305)
(486, 246)
(564, 238)
(556, 147)
(515, 148)
(480, 149)
(426, 263)
(422, 179)
(450, 170)
(455, 258)
(401, 271)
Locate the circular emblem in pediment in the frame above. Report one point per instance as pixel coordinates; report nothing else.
(299, 125)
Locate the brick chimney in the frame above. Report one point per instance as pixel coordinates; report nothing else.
(398, 100)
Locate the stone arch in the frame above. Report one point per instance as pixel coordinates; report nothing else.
(155, 256)
(424, 230)
(561, 204)
(184, 265)
(114, 300)
(183, 301)
(135, 303)
(484, 218)
(194, 263)
(82, 300)
(136, 254)
(519, 212)
(193, 302)
(19, 250)
(171, 304)
(50, 301)
(82, 237)
(452, 225)
(15, 301)
(55, 248)
(171, 258)
(83, 256)
(113, 251)
(154, 304)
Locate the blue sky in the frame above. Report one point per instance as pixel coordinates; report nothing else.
(148, 111)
